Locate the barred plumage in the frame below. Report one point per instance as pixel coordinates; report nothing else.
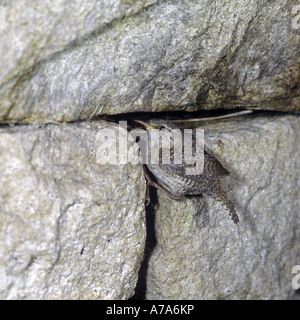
(171, 178)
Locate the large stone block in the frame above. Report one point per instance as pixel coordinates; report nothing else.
(70, 228)
(62, 62)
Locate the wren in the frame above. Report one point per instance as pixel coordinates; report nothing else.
(172, 178)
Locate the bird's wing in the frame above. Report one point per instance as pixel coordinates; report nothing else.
(212, 170)
(212, 167)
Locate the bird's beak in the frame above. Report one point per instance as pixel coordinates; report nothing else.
(145, 124)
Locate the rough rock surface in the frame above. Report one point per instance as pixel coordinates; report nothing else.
(201, 254)
(70, 228)
(63, 62)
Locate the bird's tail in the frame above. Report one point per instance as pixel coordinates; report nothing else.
(220, 195)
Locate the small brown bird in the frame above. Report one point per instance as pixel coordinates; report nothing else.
(173, 179)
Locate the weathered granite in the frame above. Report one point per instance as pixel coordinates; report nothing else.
(70, 228)
(63, 62)
(201, 253)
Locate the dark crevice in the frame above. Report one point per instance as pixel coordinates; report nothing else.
(141, 286)
(168, 115)
(185, 115)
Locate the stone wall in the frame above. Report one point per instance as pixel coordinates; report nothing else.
(73, 228)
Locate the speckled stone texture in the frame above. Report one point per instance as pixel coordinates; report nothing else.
(70, 228)
(63, 61)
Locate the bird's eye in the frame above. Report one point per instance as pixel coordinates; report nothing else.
(161, 127)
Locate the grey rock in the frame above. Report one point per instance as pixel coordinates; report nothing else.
(70, 227)
(38, 32)
(201, 253)
(34, 31)
(78, 61)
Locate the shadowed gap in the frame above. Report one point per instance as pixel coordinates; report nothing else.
(141, 286)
